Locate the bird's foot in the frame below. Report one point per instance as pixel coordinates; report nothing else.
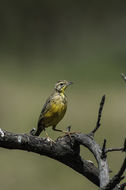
(68, 133)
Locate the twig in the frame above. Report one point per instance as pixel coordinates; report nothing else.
(103, 155)
(99, 115)
(123, 76)
(122, 186)
(114, 149)
(123, 149)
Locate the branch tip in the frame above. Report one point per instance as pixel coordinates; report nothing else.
(123, 76)
(99, 115)
(123, 149)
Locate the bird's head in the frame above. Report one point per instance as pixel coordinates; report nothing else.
(61, 85)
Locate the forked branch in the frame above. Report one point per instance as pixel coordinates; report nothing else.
(67, 151)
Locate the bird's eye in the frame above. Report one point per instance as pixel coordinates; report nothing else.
(61, 84)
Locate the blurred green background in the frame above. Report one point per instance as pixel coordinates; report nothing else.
(42, 42)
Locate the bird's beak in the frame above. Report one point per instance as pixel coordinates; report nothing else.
(69, 83)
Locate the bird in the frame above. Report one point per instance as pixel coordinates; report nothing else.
(54, 109)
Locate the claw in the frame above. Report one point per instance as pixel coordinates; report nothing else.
(68, 133)
(50, 140)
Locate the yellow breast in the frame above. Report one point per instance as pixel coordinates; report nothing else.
(56, 112)
(56, 108)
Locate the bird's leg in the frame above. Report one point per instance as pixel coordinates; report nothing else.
(52, 141)
(66, 132)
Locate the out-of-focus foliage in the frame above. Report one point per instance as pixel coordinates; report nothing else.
(45, 41)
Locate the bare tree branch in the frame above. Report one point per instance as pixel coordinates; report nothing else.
(99, 115)
(65, 150)
(113, 149)
(117, 178)
(117, 149)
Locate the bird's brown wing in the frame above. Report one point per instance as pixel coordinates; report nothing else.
(45, 109)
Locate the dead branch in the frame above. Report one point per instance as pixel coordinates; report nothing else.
(67, 151)
(99, 115)
(117, 178)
